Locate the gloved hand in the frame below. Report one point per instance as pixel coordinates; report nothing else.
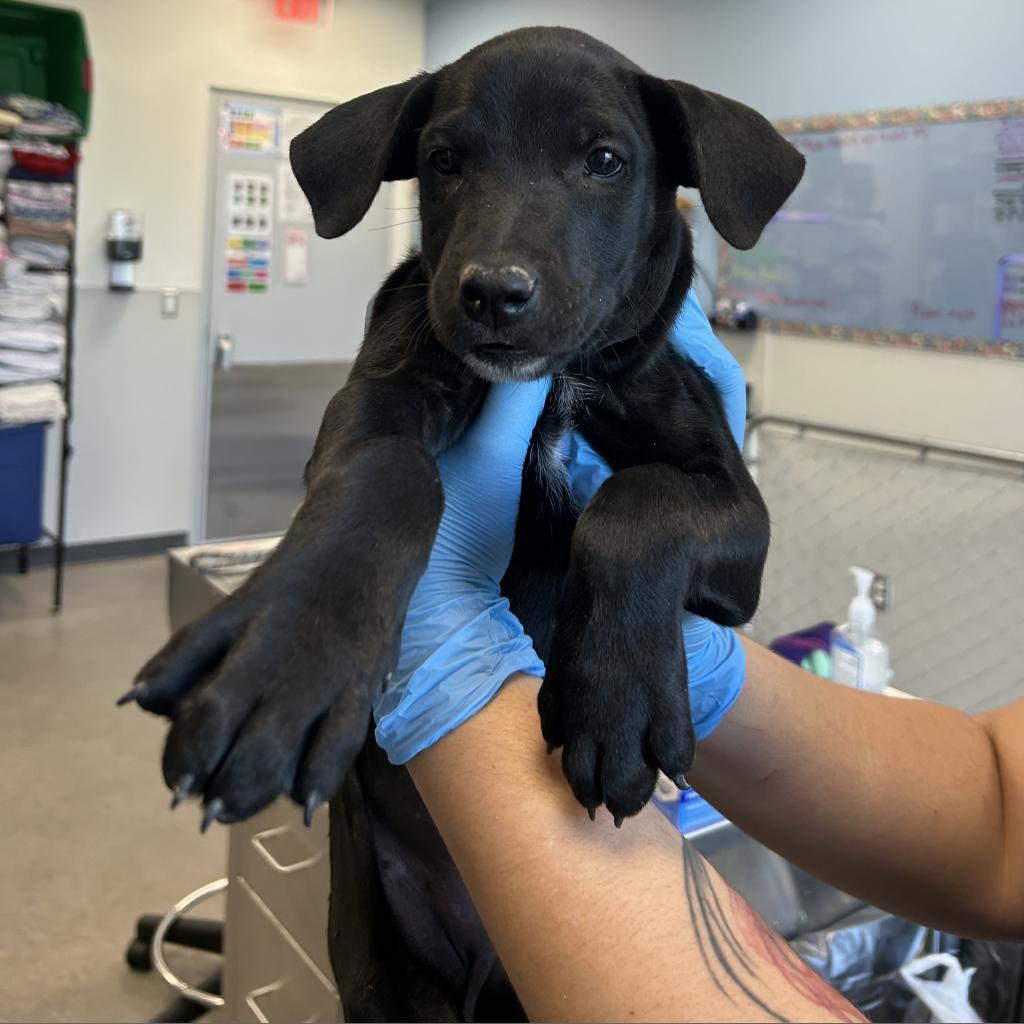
(715, 661)
(460, 641)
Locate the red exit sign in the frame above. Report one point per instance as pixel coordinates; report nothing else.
(303, 12)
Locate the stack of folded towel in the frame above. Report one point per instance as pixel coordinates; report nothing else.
(38, 210)
(32, 403)
(31, 327)
(40, 220)
(30, 115)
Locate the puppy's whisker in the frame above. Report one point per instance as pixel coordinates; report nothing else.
(655, 313)
(421, 329)
(396, 317)
(636, 311)
(397, 224)
(403, 287)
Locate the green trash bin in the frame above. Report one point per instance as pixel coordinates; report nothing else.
(44, 53)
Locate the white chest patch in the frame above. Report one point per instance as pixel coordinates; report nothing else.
(551, 453)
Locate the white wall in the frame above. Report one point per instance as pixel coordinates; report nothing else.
(801, 57)
(138, 395)
(966, 399)
(154, 64)
(784, 57)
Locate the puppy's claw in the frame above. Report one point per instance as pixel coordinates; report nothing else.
(680, 781)
(593, 813)
(312, 804)
(551, 749)
(182, 790)
(618, 820)
(211, 813)
(133, 694)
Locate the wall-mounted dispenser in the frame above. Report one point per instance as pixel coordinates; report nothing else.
(124, 248)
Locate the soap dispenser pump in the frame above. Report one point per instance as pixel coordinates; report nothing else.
(860, 658)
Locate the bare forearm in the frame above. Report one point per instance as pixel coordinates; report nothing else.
(903, 803)
(591, 922)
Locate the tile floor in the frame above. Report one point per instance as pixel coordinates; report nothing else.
(88, 842)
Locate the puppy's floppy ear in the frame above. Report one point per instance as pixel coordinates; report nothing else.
(341, 160)
(744, 168)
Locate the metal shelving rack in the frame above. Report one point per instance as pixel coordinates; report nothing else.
(58, 538)
(48, 57)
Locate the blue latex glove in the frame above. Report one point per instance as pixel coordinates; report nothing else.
(460, 641)
(715, 661)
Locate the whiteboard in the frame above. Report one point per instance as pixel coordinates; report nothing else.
(907, 229)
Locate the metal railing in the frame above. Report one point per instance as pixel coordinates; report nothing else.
(945, 521)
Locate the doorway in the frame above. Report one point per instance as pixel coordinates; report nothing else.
(285, 313)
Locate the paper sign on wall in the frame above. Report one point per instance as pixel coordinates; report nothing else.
(292, 206)
(250, 232)
(249, 128)
(296, 253)
(250, 204)
(295, 120)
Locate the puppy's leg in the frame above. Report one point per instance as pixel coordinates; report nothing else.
(658, 539)
(271, 692)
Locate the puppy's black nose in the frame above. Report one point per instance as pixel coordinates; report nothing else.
(495, 295)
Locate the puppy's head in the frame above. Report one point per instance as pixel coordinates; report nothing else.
(547, 167)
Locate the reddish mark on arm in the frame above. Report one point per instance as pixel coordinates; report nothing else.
(767, 945)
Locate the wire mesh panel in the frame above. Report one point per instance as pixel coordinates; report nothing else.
(949, 530)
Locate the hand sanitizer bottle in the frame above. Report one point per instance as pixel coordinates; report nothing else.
(860, 658)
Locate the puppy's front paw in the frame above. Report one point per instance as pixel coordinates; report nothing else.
(269, 694)
(618, 707)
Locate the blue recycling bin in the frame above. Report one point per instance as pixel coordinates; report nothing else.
(22, 450)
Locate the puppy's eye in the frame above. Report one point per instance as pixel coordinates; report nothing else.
(604, 163)
(445, 161)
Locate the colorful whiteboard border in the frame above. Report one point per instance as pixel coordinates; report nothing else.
(984, 110)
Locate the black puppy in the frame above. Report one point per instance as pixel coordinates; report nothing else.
(548, 166)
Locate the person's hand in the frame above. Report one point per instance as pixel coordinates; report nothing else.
(460, 641)
(715, 660)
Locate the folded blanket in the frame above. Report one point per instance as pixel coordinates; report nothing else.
(39, 253)
(44, 364)
(46, 337)
(50, 231)
(32, 403)
(32, 297)
(41, 117)
(50, 195)
(19, 173)
(44, 158)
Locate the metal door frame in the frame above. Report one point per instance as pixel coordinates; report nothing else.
(205, 377)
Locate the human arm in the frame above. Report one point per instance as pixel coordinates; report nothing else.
(592, 922)
(914, 806)
(911, 805)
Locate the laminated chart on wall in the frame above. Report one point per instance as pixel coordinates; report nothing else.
(250, 232)
(907, 230)
(249, 128)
